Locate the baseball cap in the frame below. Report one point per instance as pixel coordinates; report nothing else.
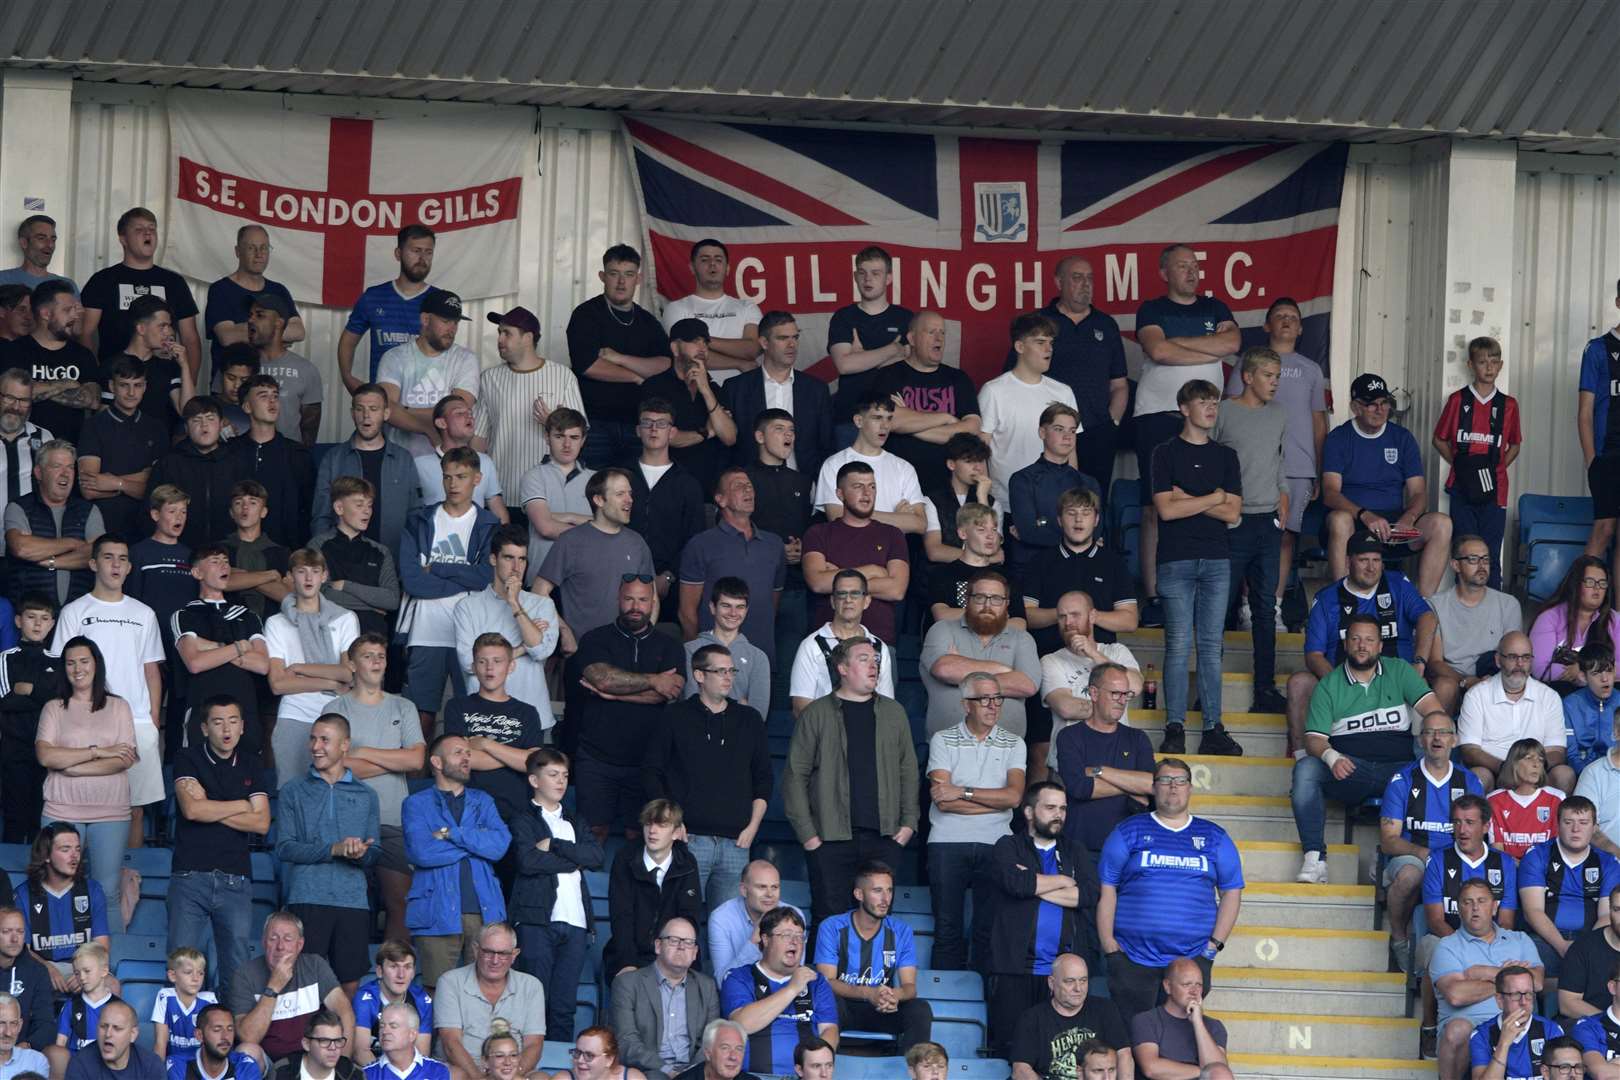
(1369, 388)
(689, 330)
(443, 303)
(1364, 542)
(273, 302)
(519, 318)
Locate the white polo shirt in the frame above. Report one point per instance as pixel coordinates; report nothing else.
(1493, 722)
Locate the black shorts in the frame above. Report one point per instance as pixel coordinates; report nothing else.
(1153, 431)
(1603, 478)
(342, 935)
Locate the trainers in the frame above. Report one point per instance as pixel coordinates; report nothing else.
(1174, 741)
(1216, 741)
(1428, 1043)
(1282, 625)
(1151, 612)
(1268, 699)
(1313, 870)
(1245, 616)
(1400, 954)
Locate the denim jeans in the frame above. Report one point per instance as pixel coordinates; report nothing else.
(554, 953)
(610, 442)
(1314, 783)
(720, 866)
(1488, 522)
(1193, 591)
(1256, 554)
(201, 901)
(953, 870)
(105, 842)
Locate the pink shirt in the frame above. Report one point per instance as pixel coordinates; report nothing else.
(74, 726)
(1547, 634)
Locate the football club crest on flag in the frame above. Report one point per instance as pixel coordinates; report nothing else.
(1003, 215)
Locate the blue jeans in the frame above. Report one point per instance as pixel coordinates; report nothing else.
(1256, 555)
(555, 954)
(204, 901)
(1314, 783)
(1193, 591)
(104, 842)
(720, 866)
(1488, 522)
(610, 442)
(953, 870)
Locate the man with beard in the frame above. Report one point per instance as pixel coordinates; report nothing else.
(628, 672)
(778, 384)
(390, 311)
(779, 1001)
(1358, 735)
(517, 396)
(1471, 619)
(115, 1055)
(851, 780)
(228, 310)
(270, 321)
(858, 540)
(980, 642)
(587, 564)
(614, 344)
(417, 374)
(1045, 885)
(386, 467)
(732, 326)
(870, 961)
(933, 400)
(36, 239)
(20, 437)
(66, 375)
(1049, 1035)
(703, 431)
(50, 529)
(218, 1056)
(1509, 706)
(111, 291)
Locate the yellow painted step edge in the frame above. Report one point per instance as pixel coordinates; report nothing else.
(1240, 636)
(1308, 932)
(1312, 892)
(1226, 1016)
(1225, 971)
(1232, 762)
(1287, 845)
(1305, 1061)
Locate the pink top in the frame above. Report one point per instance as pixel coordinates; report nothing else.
(87, 798)
(1547, 634)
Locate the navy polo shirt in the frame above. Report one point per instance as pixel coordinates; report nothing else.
(761, 561)
(1086, 355)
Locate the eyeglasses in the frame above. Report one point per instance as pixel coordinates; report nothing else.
(1564, 1070)
(1595, 582)
(987, 599)
(13, 399)
(645, 579)
(1518, 994)
(849, 594)
(336, 1043)
(793, 937)
(680, 942)
(656, 425)
(1173, 781)
(1517, 657)
(719, 670)
(504, 954)
(990, 701)
(584, 1056)
(1473, 560)
(1118, 695)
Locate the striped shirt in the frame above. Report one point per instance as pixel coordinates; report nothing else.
(504, 413)
(973, 763)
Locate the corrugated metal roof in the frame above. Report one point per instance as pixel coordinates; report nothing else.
(1368, 70)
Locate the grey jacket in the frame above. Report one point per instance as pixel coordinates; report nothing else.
(815, 787)
(638, 1016)
(401, 490)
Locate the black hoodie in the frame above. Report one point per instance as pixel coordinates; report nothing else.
(208, 479)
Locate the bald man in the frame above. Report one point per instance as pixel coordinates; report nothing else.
(733, 940)
(933, 400)
(1509, 706)
(115, 1055)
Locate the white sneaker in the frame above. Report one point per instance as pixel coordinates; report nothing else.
(1245, 617)
(1313, 870)
(1282, 627)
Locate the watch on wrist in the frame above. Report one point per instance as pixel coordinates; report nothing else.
(967, 793)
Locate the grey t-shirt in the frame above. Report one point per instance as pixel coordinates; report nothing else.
(1472, 632)
(1173, 1034)
(1301, 391)
(300, 383)
(17, 518)
(1256, 436)
(1015, 648)
(753, 681)
(392, 725)
(587, 566)
(562, 494)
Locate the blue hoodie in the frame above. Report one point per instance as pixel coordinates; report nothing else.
(438, 580)
(311, 817)
(1588, 726)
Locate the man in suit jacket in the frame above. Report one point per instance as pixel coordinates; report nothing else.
(776, 384)
(639, 1004)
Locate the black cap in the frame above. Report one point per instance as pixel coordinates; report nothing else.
(273, 302)
(1369, 388)
(444, 304)
(1364, 542)
(689, 330)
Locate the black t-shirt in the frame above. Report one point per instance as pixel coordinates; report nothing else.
(617, 732)
(1097, 572)
(262, 554)
(703, 459)
(947, 584)
(111, 290)
(1197, 470)
(875, 331)
(362, 563)
(596, 324)
(221, 621)
(943, 390)
(160, 577)
(72, 362)
(1588, 966)
(860, 737)
(1046, 1040)
(125, 444)
(212, 845)
(371, 470)
(510, 723)
(162, 380)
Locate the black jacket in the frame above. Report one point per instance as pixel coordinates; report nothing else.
(744, 396)
(1013, 866)
(208, 479)
(666, 516)
(637, 906)
(19, 713)
(343, 1070)
(30, 984)
(534, 889)
(713, 766)
(287, 471)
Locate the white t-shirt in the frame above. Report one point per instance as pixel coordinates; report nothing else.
(423, 380)
(127, 635)
(725, 316)
(812, 680)
(281, 638)
(430, 470)
(1010, 413)
(653, 473)
(896, 479)
(1068, 670)
(569, 906)
(433, 618)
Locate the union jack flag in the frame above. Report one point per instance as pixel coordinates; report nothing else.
(977, 225)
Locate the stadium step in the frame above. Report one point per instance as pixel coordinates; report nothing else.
(1278, 861)
(1271, 817)
(1312, 991)
(1329, 907)
(1323, 1036)
(1292, 1066)
(1237, 654)
(1304, 947)
(1261, 734)
(1246, 775)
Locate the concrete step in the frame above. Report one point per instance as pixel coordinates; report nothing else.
(1302, 947)
(1329, 907)
(1289, 1066)
(1322, 1035)
(1246, 775)
(1260, 734)
(1314, 991)
(1278, 861)
(1237, 652)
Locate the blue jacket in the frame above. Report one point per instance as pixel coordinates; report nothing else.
(434, 904)
(1588, 725)
(312, 816)
(438, 580)
(402, 490)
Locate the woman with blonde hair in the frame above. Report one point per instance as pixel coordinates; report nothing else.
(1525, 812)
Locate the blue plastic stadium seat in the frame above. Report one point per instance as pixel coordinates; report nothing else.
(554, 1055)
(909, 899)
(979, 1069)
(151, 917)
(150, 861)
(14, 858)
(141, 997)
(143, 971)
(1568, 509)
(921, 922)
(950, 985)
(138, 947)
(796, 893)
(1547, 565)
(924, 945)
(263, 866)
(959, 1040)
(851, 1067)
